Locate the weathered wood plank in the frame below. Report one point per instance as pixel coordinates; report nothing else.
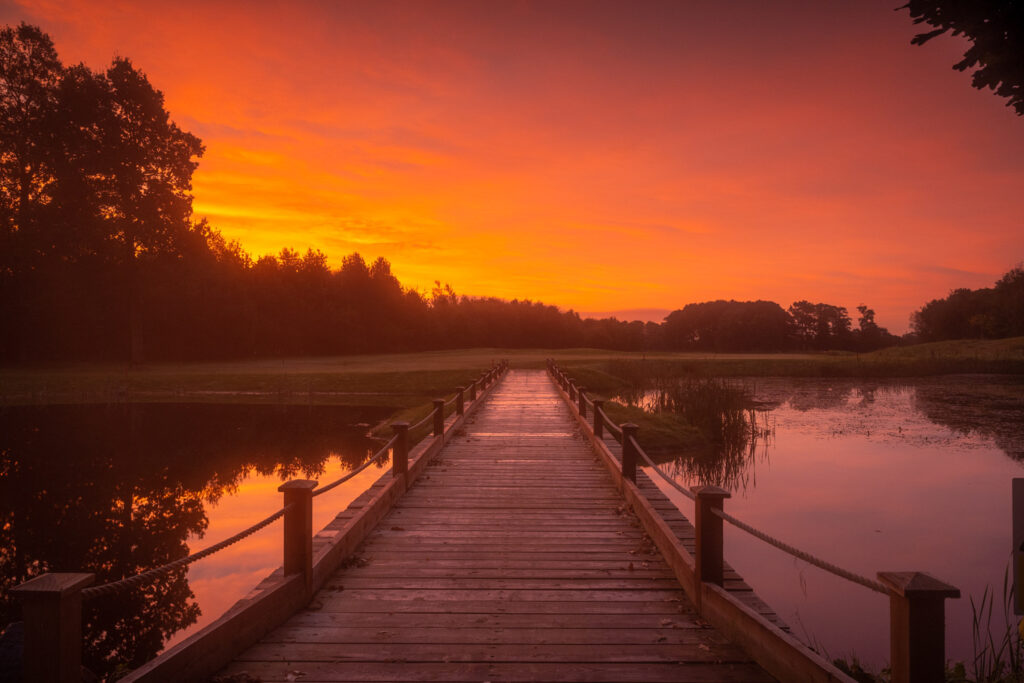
(468, 651)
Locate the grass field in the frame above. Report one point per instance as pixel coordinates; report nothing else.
(411, 379)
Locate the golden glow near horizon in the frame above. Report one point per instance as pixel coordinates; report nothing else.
(597, 156)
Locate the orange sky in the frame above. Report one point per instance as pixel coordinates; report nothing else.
(596, 155)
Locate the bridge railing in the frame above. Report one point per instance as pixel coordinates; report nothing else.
(51, 603)
(917, 623)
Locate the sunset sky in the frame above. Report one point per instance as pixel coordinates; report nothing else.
(601, 156)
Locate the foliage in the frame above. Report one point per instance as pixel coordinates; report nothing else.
(988, 313)
(997, 658)
(729, 326)
(995, 29)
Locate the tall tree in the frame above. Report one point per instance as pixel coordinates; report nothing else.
(30, 73)
(996, 31)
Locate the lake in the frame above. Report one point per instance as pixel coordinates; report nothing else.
(875, 476)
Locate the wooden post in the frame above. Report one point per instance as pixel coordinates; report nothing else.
(298, 528)
(460, 400)
(472, 390)
(629, 454)
(51, 607)
(572, 390)
(582, 401)
(438, 416)
(598, 420)
(917, 625)
(709, 565)
(400, 451)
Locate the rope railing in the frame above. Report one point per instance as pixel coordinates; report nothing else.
(150, 574)
(375, 458)
(611, 426)
(802, 554)
(668, 480)
(422, 423)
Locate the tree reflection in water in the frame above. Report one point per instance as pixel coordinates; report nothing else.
(119, 489)
(737, 433)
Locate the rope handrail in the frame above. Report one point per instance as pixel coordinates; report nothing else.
(739, 524)
(802, 555)
(757, 533)
(376, 457)
(143, 577)
(428, 419)
(615, 430)
(669, 480)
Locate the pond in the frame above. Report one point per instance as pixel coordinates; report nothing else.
(117, 489)
(873, 476)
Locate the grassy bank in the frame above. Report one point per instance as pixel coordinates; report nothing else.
(410, 379)
(998, 356)
(399, 380)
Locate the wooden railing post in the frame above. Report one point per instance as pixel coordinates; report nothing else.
(460, 400)
(629, 455)
(598, 420)
(51, 607)
(400, 451)
(709, 565)
(298, 528)
(583, 400)
(438, 416)
(917, 625)
(472, 390)
(572, 390)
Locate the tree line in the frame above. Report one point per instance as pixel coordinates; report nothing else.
(986, 313)
(101, 257)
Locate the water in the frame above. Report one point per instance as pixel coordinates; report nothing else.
(876, 476)
(122, 488)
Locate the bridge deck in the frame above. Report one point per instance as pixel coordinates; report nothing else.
(512, 558)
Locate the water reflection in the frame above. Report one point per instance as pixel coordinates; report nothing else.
(118, 489)
(737, 429)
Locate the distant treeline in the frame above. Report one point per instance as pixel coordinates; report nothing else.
(987, 313)
(101, 259)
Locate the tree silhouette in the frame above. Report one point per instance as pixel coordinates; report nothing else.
(996, 31)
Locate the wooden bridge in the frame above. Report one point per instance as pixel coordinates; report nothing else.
(516, 543)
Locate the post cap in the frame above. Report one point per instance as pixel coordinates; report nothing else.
(710, 492)
(298, 485)
(917, 585)
(54, 583)
(438, 400)
(397, 426)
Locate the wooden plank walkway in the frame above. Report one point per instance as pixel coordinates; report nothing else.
(512, 558)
